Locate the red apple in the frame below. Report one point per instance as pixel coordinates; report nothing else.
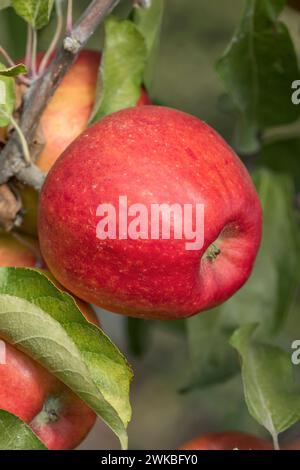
(227, 441)
(65, 117)
(294, 445)
(59, 418)
(150, 155)
(19, 251)
(54, 412)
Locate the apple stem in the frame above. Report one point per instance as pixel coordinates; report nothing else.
(212, 252)
(56, 37)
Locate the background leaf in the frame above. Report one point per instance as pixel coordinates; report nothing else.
(13, 71)
(35, 12)
(46, 324)
(122, 68)
(7, 98)
(16, 435)
(270, 391)
(4, 4)
(283, 156)
(149, 22)
(258, 68)
(266, 298)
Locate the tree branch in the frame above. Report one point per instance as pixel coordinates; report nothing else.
(12, 162)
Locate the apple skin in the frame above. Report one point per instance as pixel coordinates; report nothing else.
(227, 441)
(64, 119)
(294, 445)
(59, 418)
(19, 251)
(170, 157)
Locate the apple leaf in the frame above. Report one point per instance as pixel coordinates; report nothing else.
(122, 68)
(272, 397)
(267, 296)
(16, 435)
(7, 97)
(258, 68)
(282, 156)
(4, 4)
(149, 22)
(34, 12)
(45, 323)
(14, 71)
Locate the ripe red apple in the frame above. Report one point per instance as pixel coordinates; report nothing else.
(56, 414)
(65, 117)
(19, 251)
(227, 441)
(59, 418)
(150, 155)
(294, 445)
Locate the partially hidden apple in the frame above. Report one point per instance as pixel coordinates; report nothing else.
(59, 418)
(227, 441)
(55, 413)
(65, 117)
(19, 251)
(150, 156)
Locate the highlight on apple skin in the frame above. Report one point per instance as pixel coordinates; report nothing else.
(150, 155)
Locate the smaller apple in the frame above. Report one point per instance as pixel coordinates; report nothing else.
(59, 418)
(227, 441)
(294, 445)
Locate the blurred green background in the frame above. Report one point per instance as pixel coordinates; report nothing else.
(194, 35)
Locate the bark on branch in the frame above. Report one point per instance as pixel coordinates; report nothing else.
(12, 162)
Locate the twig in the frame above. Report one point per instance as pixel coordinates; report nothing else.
(33, 54)
(70, 17)
(28, 49)
(56, 37)
(7, 57)
(11, 159)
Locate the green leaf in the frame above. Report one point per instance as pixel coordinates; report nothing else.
(258, 68)
(283, 156)
(270, 390)
(138, 335)
(46, 324)
(34, 12)
(211, 360)
(14, 71)
(122, 68)
(4, 4)
(267, 296)
(149, 22)
(7, 98)
(16, 435)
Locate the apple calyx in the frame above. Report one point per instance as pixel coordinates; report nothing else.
(51, 411)
(212, 252)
